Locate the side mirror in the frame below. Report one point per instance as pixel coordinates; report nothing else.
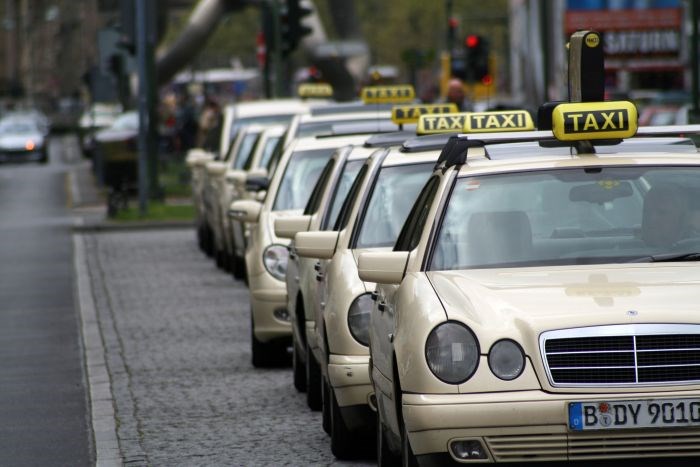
(236, 176)
(316, 244)
(245, 210)
(287, 227)
(259, 172)
(256, 183)
(386, 267)
(216, 168)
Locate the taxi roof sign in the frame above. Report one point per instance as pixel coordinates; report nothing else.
(401, 114)
(594, 120)
(315, 90)
(396, 94)
(476, 122)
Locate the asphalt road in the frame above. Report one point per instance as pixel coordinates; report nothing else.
(43, 402)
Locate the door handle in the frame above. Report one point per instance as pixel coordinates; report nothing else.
(317, 266)
(381, 306)
(390, 336)
(319, 277)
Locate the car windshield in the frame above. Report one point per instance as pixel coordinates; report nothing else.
(267, 120)
(17, 127)
(128, 121)
(347, 177)
(391, 198)
(300, 177)
(245, 149)
(572, 216)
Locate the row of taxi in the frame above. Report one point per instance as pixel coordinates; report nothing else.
(459, 288)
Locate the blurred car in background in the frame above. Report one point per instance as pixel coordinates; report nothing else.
(98, 116)
(22, 137)
(116, 159)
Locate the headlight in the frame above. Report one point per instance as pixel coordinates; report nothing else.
(506, 359)
(275, 259)
(358, 318)
(452, 352)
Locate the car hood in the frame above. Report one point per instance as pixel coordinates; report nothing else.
(533, 300)
(19, 141)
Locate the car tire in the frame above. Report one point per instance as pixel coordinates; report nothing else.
(408, 459)
(385, 456)
(313, 382)
(267, 354)
(220, 258)
(326, 403)
(343, 443)
(237, 267)
(298, 368)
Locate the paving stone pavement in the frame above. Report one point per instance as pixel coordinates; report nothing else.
(176, 335)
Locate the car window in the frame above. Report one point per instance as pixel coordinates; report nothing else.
(268, 150)
(300, 176)
(413, 227)
(268, 120)
(245, 149)
(391, 198)
(348, 175)
(317, 193)
(349, 202)
(572, 216)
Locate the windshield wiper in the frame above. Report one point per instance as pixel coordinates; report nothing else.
(668, 258)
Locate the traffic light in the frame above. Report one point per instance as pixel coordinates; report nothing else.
(476, 59)
(291, 28)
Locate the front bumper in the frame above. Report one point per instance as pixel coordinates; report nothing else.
(349, 378)
(532, 426)
(268, 295)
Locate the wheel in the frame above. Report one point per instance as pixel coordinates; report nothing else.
(298, 368)
(385, 457)
(313, 381)
(268, 354)
(326, 403)
(408, 459)
(343, 443)
(238, 267)
(220, 258)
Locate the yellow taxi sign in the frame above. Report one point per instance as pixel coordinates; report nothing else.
(315, 90)
(594, 120)
(476, 122)
(396, 94)
(496, 121)
(411, 113)
(443, 123)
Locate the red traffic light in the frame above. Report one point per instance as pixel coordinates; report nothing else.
(453, 22)
(487, 80)
(471, 41)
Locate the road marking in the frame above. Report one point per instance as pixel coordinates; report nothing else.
(102, 416)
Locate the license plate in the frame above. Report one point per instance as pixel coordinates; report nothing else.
(656, 413)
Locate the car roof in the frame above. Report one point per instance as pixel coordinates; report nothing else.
(269, 107)
(348, 107)
(530, 156)
(345, 116)
(311, 142)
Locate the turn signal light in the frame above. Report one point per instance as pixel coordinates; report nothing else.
(29, 145)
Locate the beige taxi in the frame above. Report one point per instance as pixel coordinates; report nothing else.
(540, 304)
(303, 274)
(266, 254)
(235, 117)
(373, 214)
(254, 165)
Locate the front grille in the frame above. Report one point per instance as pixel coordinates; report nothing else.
(590, 446)
(622, 355)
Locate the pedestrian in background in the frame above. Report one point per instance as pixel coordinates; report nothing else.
(210, 121)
